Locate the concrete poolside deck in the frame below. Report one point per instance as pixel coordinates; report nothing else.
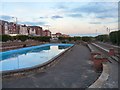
(74, 70)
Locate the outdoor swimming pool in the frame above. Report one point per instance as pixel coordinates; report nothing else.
(30, 56)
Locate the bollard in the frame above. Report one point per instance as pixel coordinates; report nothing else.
(111, 52)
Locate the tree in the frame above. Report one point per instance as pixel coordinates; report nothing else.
(102, 38)
(77, 38)
(86, 38)
(21, 37)
(5, 38)
(115, 37)
(42, 39)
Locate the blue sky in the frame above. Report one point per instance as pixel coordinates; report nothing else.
(73, 18)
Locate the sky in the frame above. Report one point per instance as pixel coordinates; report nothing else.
(71, 17)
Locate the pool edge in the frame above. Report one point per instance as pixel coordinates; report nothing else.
(37, 67)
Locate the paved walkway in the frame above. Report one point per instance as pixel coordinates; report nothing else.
(112, 81)
(74, 70)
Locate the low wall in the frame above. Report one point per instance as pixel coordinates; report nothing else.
(14, 45)
(114, 57)
(103, 77)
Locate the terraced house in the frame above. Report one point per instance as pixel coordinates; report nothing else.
(12, 29)
(35, 30)
(23, 30)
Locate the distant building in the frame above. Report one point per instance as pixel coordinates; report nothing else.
(35, 30)
(23, 30)
(46, 33)
(58, 34)
(13, 28)
(31, 31)
(8, 27)
(54, 37)
(64, 35)
(39, 31)
(4, 27)
(1, 27)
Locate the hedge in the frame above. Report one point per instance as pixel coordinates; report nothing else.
(23, 38)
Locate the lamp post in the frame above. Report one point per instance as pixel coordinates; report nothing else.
(15, 32)
(15, 19)
(96, 32)
(15, 23)
(47, 26)
(108, 30)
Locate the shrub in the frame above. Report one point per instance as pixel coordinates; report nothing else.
(86, 39)
(5, 38)
(102, 38)
(115, 37)
(21, 37)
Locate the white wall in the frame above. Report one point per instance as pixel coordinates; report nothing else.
(6, 28)
(32, 32)
(23, 30)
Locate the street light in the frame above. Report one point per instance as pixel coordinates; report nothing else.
(47, 26)
(96, 32)
(108, 30)
(15, 22)
(15, 19)
(15, 31)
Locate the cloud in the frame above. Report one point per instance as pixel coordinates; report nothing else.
(95, 22)
(87, 34)
(101, 10)
(52, 17)
(56, 17)
(61, 5)
(27, 21)
(33, 23)
(104, 16)
(76, 15)
(92, 7)
(43, 17)
(5, 17)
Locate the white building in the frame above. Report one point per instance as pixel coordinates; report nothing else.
(54, 37)
(23, 30)
(32, 31)
(6, 28)
(0, 27)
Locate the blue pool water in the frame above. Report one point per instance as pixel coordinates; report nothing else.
(30, 56)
